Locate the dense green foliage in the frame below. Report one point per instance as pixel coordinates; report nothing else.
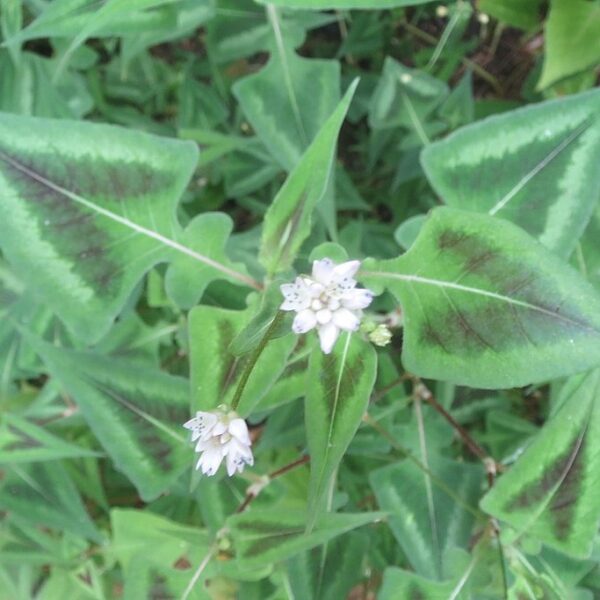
(165, 166)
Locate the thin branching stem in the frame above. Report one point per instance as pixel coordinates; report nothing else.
(491, 466)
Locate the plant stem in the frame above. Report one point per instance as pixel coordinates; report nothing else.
(491, 466)
(257, 487)
(254, 358)
(251, 494)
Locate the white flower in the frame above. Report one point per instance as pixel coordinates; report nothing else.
(327, 300)
(220, 434)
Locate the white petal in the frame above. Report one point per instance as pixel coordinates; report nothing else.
(346, 320)
(210, 460)
(323, 316)
(357, 299)
(322, 270)
(232, 465)
(236, 462)
(304, 321)
(236, 448)
(201, 425)
(345, 271)
(218, 429)
(297, 295)
(328, 334)
(202, 445)
(238, 455)
(239, 430)
(315, 289)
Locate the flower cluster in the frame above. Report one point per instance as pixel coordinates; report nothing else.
(328, 300)
(220, 435)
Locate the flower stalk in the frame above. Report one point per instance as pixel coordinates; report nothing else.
(254, 358)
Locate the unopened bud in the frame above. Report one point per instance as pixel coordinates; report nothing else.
(381, 335)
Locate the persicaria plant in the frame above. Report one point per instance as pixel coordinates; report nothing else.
(268, 340)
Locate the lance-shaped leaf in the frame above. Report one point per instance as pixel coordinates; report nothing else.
(487, 306)
(82, 18)
(587, 258)
(338, 389)
(88, 209)
(216, 371)
(282, 105)
(261, 537)
(405, 97)
(329, 572)
(552, 490)
(565, 53)
(399, 584)
(136, 413)
(536, 166)
(44, 494)
(342, 4)
(23, 441)
(164, 571)
(287, 222)
(401, 488)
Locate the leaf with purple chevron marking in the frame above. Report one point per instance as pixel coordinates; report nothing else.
(87, 209)
(485, 305)
(552, 491)
(537, 166)
(262, 537)
(338, 389)
(44, 494)
(287, 222)
(135, 412)
(216, 370)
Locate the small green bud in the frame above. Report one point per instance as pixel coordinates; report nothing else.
(381, 335)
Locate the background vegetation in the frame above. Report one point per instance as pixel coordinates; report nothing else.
(137, 276)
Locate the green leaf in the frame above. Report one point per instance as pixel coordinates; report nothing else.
(400, 489)
(587, 255)
(535, 166)
(282, 105)
(28, 88)
(216, 371)
(175, 548)
(96, 205)
(261, 537)
(342, 4)
(487, 306)
(135, 412)
(134, 531)
(338, 389)
(404, 585)
(405, 98)
(44, 494)
(23, 441)
(80, 19)
(552, 490)
(525, 14)
(11, 21)
(572, 39)
(287, 222)
(267, 305)
(332, 575)
(291, 384)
